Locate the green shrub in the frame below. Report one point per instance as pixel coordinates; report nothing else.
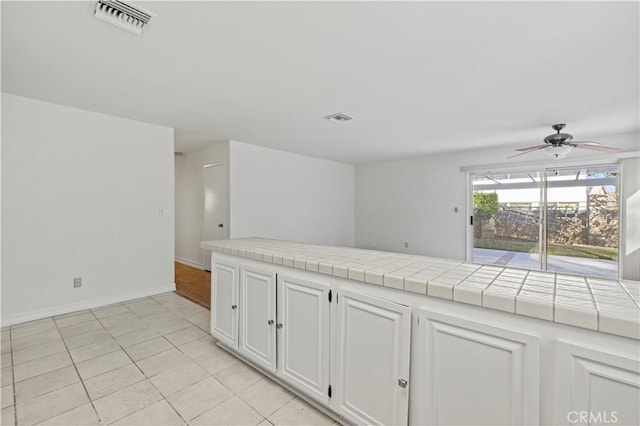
(485, 205)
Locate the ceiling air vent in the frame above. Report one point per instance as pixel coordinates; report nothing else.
(338, 117)
(124, 15)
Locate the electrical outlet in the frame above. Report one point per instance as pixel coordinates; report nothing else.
(406, 245)
(77, 282)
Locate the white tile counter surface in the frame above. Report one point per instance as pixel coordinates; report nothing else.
(607, 305)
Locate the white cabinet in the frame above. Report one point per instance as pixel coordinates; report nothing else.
(596, 387)
(243, 310)
(257, 340)
(224, 302)
(303, 340)
(372, 349)
(469, 365)
(475, 373)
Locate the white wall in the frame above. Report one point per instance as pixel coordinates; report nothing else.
(276, 194)
(630, 203)
(413, 200)
(190, 199)
(81, 197)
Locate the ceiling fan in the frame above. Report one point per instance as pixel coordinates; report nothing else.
(560, 144)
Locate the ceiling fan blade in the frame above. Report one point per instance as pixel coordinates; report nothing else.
(531, 149)
(600, 148)
(585, 143)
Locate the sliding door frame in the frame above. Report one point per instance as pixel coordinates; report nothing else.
(544, 171)
(542, 226)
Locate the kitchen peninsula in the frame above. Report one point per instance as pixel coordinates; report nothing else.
(387, 338)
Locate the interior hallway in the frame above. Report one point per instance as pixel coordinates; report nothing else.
(193, 283)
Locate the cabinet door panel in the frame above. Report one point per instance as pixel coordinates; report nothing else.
(258, 315)
(224, 301)
(373, 349)
(304, 309)
(476, 373)
(596, 385)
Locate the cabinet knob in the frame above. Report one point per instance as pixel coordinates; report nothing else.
(234, 306)
(279, 325)
(402, 383)
(270, 322)
(221, 225)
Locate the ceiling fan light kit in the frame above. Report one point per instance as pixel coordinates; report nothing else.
(558, 151)
(559, 145)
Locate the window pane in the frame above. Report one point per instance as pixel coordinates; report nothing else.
(582, 221)
(581, 228)
(507, 219)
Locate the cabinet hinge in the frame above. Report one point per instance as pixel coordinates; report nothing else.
(329, 391)
(330, 296)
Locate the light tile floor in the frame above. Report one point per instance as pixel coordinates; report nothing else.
(148, 361)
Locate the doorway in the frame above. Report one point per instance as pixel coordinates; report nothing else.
(215, 207)
(562, 220)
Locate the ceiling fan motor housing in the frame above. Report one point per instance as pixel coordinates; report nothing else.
(558, 139)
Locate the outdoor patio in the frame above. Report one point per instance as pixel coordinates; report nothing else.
(568, 264)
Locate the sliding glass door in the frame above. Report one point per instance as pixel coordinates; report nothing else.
(563, 220)
(506, 219)
(582, 219)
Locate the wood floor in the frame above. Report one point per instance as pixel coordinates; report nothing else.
(194, 284)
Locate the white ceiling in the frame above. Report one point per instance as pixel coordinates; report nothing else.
(419, 78)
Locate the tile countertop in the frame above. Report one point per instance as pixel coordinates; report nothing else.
(606, 305)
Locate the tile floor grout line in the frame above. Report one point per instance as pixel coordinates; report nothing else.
(120, 390)
(13, 383)
(68, 352)
(212, 376)
(193, 384)
(79, 377)
(165, 398)
(148, 378)
(128, 356)
(222, 402)
(142, 372)
(293, 396)
(51, 371)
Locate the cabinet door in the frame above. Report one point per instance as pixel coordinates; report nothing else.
(257, 316)
(303, 322)
(224, 302)
(596, 387)
(372, 338)
(475, 373)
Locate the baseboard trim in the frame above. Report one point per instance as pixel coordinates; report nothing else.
(85, 304)
(189, 262)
